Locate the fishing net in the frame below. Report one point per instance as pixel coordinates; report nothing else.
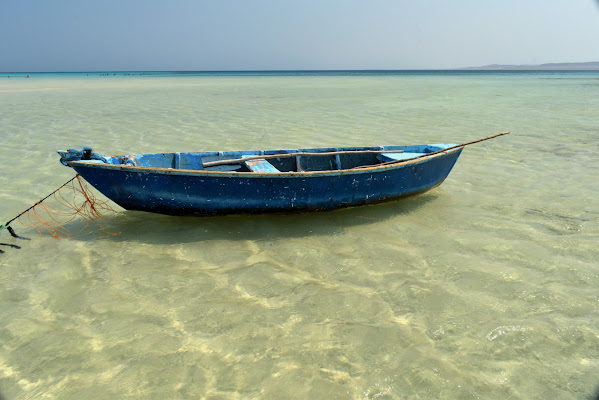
(71, 211)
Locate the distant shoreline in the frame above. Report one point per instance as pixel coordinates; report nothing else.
(585, 66)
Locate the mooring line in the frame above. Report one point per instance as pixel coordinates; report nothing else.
(12, 232)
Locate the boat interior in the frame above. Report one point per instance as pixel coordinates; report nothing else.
(274, 161)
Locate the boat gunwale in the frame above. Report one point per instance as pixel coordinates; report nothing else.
(290, 174)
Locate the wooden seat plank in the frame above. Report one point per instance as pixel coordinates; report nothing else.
(386, 157)
(261, 165)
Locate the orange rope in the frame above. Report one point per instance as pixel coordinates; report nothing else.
(69, 202)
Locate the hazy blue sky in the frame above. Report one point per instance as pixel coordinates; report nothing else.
(84, 35)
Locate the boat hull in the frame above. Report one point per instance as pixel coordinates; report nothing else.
(184, 192)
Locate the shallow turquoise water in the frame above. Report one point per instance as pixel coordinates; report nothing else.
(485, 287)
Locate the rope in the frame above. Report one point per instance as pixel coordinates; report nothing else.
(6, 224)
(52, 218)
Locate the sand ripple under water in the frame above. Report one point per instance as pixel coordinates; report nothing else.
(485, 287)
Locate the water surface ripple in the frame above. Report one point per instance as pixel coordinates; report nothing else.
(486, 287)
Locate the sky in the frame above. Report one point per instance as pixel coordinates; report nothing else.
(225, 35)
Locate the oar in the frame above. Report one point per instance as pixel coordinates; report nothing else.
(287, 155)
(432, 153)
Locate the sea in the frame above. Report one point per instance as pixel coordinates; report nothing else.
(486, 287)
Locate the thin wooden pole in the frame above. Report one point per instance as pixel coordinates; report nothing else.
(287, 155)
(433, 153)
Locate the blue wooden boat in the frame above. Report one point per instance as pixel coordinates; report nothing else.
(233, 182)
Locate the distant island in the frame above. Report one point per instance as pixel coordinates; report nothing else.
(584, 66)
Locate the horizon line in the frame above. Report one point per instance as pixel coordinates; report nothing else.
(574, 66)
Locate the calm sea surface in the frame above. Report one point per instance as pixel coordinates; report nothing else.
(485, 287)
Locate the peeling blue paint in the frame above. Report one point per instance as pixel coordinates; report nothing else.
(324, 182)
